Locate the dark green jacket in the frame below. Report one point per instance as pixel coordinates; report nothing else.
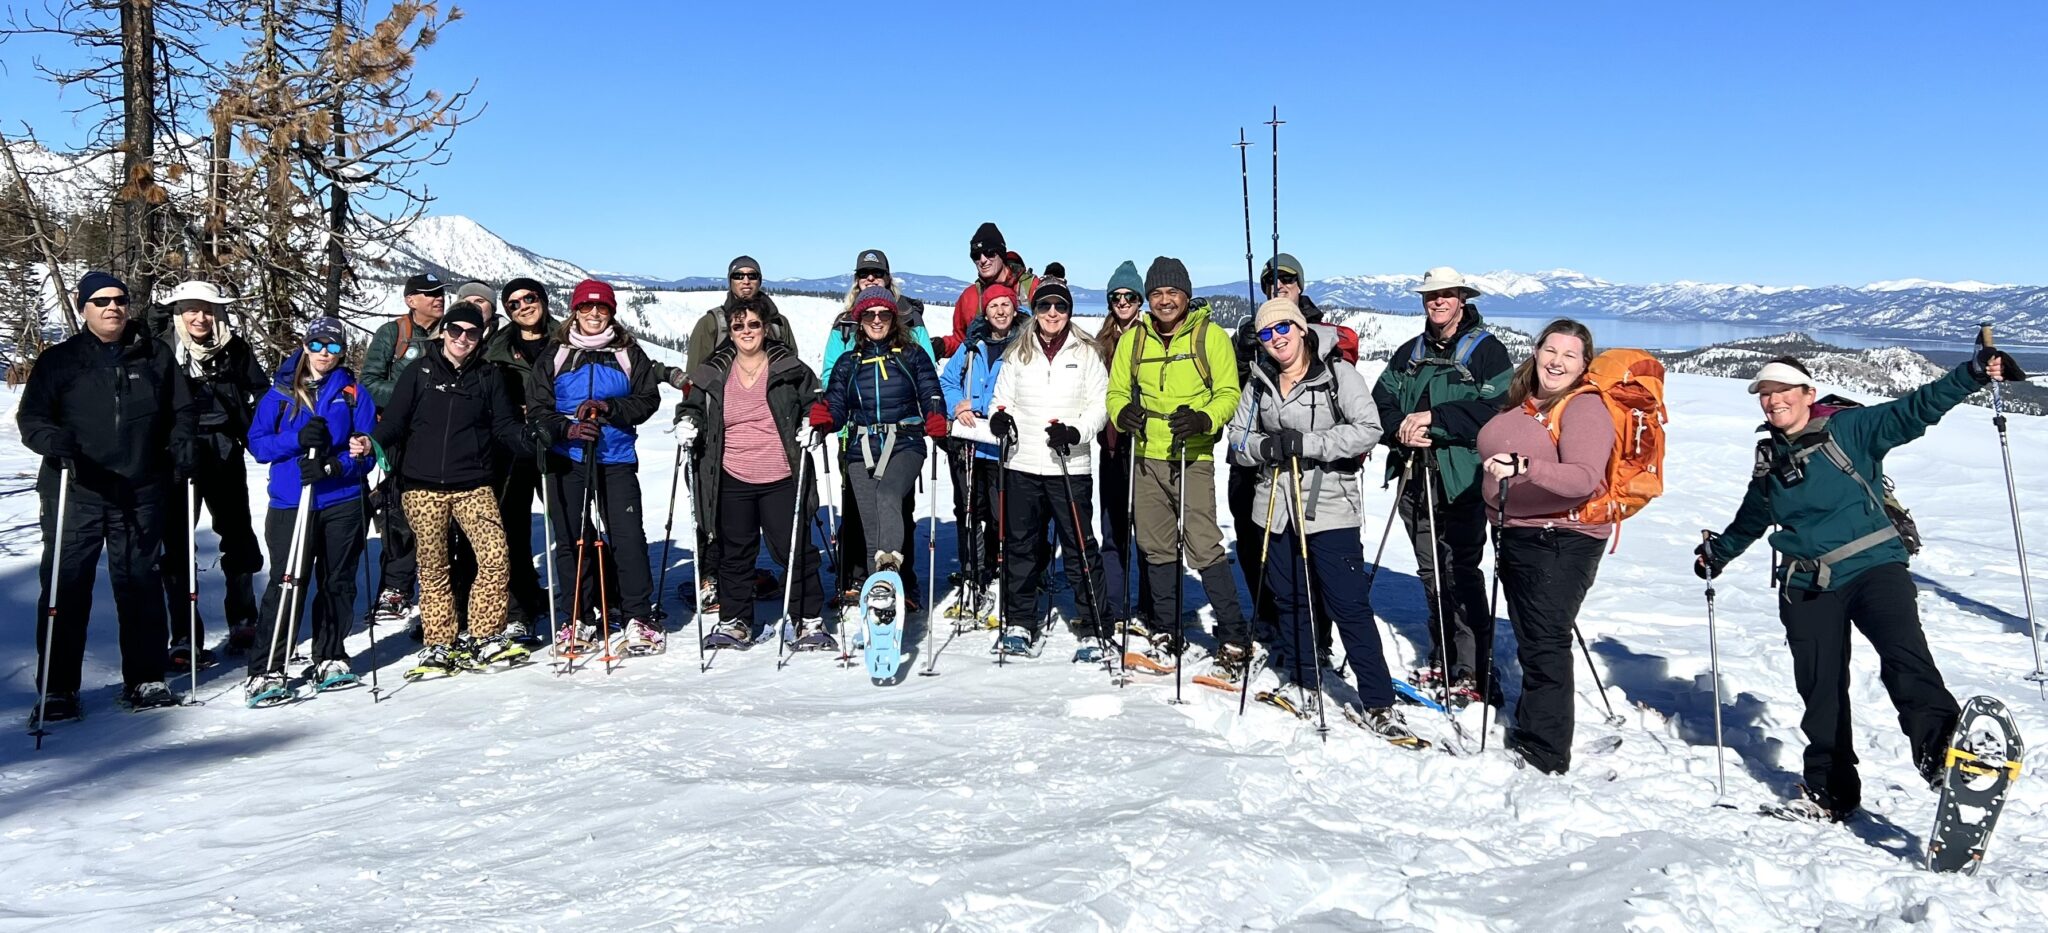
(380, 369)
(1827, 508)
(1459, 402)
(792, 387)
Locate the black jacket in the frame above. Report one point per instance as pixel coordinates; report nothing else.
(125, 406)
(224, 395)
(792, 387)
(453, 423)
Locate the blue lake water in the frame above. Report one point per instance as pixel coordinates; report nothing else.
(1686, 335)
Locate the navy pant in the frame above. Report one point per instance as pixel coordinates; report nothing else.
(1336, 566)
(332, 546)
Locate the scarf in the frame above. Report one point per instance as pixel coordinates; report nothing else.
(597, 341)
(1052, 347)
(195, 356)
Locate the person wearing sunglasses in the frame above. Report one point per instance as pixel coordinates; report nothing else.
(743, 425)
(714, 328)
(108, 409)
(1049, 398)
(225, 383)
(1172, 386)
(312, 427)
(451, 414)
(1439, 387)
(994, 264)
(969, 381)
(883, 391)
(396, 344)
(1113, 467)
(515, 350)
(870, 270)
(1282, 278)
(590, 393)
(1303, 427)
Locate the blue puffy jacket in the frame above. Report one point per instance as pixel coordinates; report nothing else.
(274, 435)
(970, 375)
(883, 384)
(632, 394)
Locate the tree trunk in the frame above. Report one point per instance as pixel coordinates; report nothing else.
(137, 226)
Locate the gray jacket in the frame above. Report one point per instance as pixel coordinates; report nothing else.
(1333, 409)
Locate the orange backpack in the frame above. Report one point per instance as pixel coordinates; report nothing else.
(1631, 383)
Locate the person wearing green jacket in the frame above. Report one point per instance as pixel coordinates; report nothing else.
(1817, 477)
(1172, 387)
(1438, 389)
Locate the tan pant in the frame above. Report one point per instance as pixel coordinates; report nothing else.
(1158, 512)
(476, 510)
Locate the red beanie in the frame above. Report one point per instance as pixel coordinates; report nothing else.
(592, 291)
(992, 292)
(873, 296)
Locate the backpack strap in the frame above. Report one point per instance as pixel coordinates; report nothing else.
(404, 336)
(1461, 353)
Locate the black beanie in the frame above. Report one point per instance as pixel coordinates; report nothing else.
(540, 291)
(742, 262)
(94, 281)
(1168, 272)
(987, 239)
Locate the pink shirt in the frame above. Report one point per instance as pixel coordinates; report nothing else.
(1563, 473)
(753, 445)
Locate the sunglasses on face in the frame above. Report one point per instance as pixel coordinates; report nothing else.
(980, 254)
(741, 327)
(116, 301)
(1051, 306)
(745, 276)
(514, 304)
(1281, 329)
(464, 332)
(1287, 278)
(1123, 298)
(320, 347)
(1434, 296)
(866, 274)
(877, 314)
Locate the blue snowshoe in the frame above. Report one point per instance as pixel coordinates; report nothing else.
(1018, 642)
(266, 690)
(882, 613)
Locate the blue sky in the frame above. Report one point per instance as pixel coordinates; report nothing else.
(1777, 143)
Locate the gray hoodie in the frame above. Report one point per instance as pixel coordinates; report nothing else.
(1330, 488)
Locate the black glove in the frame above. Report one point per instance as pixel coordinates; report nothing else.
(63, 446)
(184, 458)
(1187, 422)
(1132, 419)
(1980, 365)
(1281, 445)
(1704, 566)
(313, 434)
(938, 348)
(977, 331)
(315, 469)
(1061, 437)
(1002, 425)
(585, 431)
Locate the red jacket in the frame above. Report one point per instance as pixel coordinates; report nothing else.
(969, 306)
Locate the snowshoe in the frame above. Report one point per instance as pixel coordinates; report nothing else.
(1386, 722)
(1281, 701)
(1228, 668)
(883, 618)
(150, 695)
(1464, 692)
(333, 674)
(521, 632)
(644, 638)
(1413, 695)
(1018, 642)
(496, 651)
(1168, 645)
(1808, 807)
(733, 634)
(574, 639)
(811, 636)
(1981, 764)
(1091, 651)
(267, 690)
(57, 707)
(435, 662)
(389, 609)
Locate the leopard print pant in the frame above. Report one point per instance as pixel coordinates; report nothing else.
(429, 511)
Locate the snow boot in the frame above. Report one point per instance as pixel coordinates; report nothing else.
(496, 651)
(433, 662)
(265, 690)
(58, 707)
(148, 695)
(1091, 650)
(644, 637)
(811, 636)
(732, 633)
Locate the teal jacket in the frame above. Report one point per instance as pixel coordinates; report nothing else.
(1827, 509)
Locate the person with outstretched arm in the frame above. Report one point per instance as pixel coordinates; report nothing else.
(1817, 478)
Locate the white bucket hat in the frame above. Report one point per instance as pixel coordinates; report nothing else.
(198, 291)
(1781, 373)
(1445, 277)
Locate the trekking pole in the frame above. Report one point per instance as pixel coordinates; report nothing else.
(1095, 596)
(50, 613)
(1305, 631)
(931, 566)
(696, 562)
(2012, 496)
(668, 539)
(372, 518)
(1500, 526)
(547, 539)
(576, 605)
(593, 475)
(1714, 660)
(1180, 547)
(288, 589)
(785, 627)
(1002, 542)
(192, 588)
(1134, 573)
(1437, 562)
(1244, 180)
(1276, 123)
(1265, 552)
(931, 542)
(1613, 719)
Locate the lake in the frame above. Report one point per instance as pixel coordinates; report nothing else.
(1687, 335)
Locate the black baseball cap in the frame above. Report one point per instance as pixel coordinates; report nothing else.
(871, 259)
(425, 283)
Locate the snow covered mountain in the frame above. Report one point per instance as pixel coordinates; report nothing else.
(459, 247)
(1884, 371)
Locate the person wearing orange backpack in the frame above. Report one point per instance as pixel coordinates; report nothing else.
(1550, 450)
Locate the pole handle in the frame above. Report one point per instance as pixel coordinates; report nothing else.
(1984, 335)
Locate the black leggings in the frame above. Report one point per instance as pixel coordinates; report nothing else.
(749, 513)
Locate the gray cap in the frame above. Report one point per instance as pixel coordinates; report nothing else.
(477, 290)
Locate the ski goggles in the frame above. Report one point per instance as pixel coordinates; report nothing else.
(323, 347)
(1281, 329)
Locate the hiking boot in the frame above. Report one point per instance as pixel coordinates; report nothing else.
(519, 630)
(1232, 661)
(497, 649)
(333, 674)
(1168, 643)
(643, 637)
(1091, 650)
(1810, 807)
(1018, 641)
(730, 633)
(57, 707)
(389, 609)
(269, 689)
(180, 658)
(1464, 691)
(151, 694)
(1387, 723)
(435, 661)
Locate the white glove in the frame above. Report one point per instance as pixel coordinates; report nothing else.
(686, 432)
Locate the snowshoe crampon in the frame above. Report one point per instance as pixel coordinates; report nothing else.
(1982, 763)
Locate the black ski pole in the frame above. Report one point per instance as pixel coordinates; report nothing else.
(1134, 573)
(785, 627)
(1500, 526)
(374, 517)
(1714, 662)
(1244, 179)
(1180, 548)
(1002, 550)
(1275, 123)
(668, 539)
(1095, 596)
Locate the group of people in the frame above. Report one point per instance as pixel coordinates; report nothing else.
(458, 421)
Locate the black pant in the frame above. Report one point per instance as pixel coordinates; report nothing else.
(130, 535)
(1030, 501)
(1461, 542)
(1119, 547)
(628, 584)
(1251, 544)
(221, 487)
(1336, 577)
(332, 547)
(529, 596)
(397, 564)
(748, 515)
(1881, 603)
(852, 561)
(980, 534)
(1545, 573)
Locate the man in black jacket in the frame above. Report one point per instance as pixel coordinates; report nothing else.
(225, 381)
(108, 410)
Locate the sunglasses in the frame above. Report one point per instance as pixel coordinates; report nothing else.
(1051, 306)
(320, 347)
(1281, 329)
(464, 332)
(980, 254)
(117, 300)
(877, 314)
(745, 276)
(740, 327)
(1123, 298)
(514, 304)
(865, 274)
(1286, 278)
(1446, 293)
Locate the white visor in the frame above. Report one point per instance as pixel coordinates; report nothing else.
(1780, 373)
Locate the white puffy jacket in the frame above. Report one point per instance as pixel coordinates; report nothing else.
(1072, 387)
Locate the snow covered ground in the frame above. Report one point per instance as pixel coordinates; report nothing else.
(1037, 795)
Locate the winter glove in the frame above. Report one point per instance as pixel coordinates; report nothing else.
(596, 409)
(1002, 425)
(313, 434)
(1061, 437)
(686, 432)
(1187, 422)
(677, 378)
(315, 469)
(63, 445)
(184, 458)
(2009, 368)
(1132, 419)
(821, 417)
(1281, 445)
(1704, 566)
(584, 432)
(935, 425)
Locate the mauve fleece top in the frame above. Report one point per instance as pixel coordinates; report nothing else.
(1562, 474)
